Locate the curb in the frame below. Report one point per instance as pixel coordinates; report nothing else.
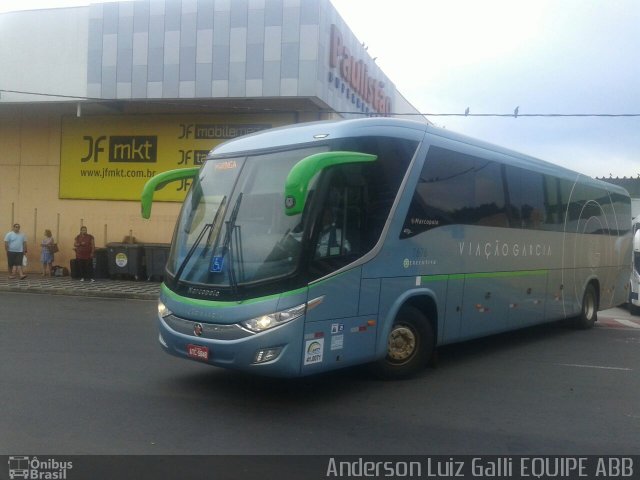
(80, 293)
(102, 288)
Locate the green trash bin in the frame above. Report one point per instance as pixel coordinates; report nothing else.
(126, 260)
(155, 258)
(101, 263)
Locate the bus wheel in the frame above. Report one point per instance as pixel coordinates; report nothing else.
(589, 313)
(410, 345)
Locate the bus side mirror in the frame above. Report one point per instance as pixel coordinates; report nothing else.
(297, 183)
(158, 181)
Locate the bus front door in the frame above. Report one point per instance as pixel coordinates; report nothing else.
(339, 331)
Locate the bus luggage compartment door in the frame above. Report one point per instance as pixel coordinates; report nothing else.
(484, 309)
(527, 301)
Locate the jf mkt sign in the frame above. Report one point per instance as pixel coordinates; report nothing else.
(112, 157)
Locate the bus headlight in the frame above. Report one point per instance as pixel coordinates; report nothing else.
(265, 322)
(163, 311)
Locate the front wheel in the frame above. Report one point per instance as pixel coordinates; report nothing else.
(589, 312)
(410, 345)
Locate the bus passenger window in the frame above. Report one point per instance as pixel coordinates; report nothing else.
(455, 188)
(526, 198)
(553, 204)
(489, 195)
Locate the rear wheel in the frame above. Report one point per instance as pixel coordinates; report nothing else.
(589, 313)
(410, 345)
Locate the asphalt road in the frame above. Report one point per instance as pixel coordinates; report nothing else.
(86, 376)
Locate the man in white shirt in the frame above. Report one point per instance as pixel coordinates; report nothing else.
(15, 244)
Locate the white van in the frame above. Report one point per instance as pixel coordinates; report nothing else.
(634, 294)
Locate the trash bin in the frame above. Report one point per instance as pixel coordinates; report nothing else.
(125, 259)
(156, 255)
(101, 263)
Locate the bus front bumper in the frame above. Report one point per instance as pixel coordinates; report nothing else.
(276, 352)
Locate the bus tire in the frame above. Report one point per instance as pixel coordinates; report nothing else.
(589, 312)
(410, 345)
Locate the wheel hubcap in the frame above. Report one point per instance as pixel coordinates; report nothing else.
(589, 307)
(402, 344)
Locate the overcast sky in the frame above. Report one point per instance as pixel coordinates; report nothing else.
(491, 56)
(543, 56)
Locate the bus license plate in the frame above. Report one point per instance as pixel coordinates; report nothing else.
(198, 352)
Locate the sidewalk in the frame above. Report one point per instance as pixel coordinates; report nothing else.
(36, 283)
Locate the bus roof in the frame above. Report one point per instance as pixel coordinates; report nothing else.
(305, 133)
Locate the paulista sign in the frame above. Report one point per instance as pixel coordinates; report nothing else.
(354, 72)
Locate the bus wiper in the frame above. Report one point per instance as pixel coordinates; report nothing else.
(223, 202)
(208, 226)
(225, 250)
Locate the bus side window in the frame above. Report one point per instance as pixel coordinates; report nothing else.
(526, 198)
(456, 188)
(489, 205)
(588, 209)
(553, 204)
(380, 182)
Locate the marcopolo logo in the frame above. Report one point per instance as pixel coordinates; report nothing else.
(35, 468)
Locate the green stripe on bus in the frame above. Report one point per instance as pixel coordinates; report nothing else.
(218, 304)
(423, 278)
(463, 276)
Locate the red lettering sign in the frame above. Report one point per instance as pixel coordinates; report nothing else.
(355, 73)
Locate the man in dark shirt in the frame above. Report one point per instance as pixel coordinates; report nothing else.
(84, 245)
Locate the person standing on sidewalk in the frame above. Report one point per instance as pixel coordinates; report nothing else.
(46, 252)
(84, 245)
(15, 244)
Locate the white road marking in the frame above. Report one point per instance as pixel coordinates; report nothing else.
(594, 366)
(628, 323)
(618, 322)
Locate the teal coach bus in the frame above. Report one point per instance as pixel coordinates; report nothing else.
(329, 244)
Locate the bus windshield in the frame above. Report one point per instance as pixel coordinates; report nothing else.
(233, 229)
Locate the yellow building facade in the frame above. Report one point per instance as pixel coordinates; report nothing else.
(45, 182)
(95, 100)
